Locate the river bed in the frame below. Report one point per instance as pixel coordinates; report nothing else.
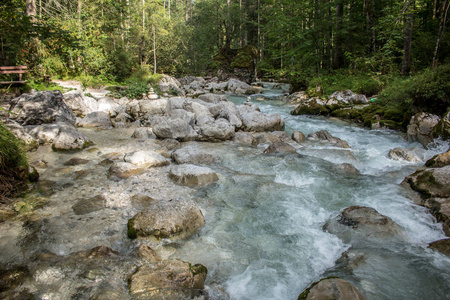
(264, 236)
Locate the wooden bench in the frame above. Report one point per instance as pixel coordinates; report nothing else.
(14, 70)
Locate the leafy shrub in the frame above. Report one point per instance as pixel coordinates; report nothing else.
(369, 86)
(135, 90)
(91, 81)
(13, 164)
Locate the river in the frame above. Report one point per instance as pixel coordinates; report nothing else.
(264, 236)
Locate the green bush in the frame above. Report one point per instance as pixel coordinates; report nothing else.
(13, 164)
(135, 90)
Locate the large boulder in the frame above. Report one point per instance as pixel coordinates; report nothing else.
(31, 142)
(348, 97)
(257, 121)
(432, 182)
(123, 170)
(217, 131)
(175, 218)
(69, 139)
(362, 223)
(245, 138)
(108, 105)
(80, 104)
(169, 84)
(313, 106)
(331, 288)
(146, 159)
(442, 246)
(280, 148)
(96, 119)
(411, 155)
(324, 136)
(192, 155)
(442, 129)
(439, 160)
(140, 108)
(192, 175)
(212, 98)
(421, 126)
(177, 125)
(298, 136)
(41, 108)
(169, 280)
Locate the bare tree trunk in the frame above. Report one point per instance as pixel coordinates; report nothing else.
(442, 21)
(169, 8)
(406, 61)
(154, 49)
(31, 8)
(338, 39)
(186, 10)
(143, 15)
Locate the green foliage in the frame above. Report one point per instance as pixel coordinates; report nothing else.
(40, 85)
(89, 81)
(13, 163)
(135, 90)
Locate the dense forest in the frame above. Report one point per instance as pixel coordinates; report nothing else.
(110, 40)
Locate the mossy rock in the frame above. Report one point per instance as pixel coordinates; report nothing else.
(311, 108)
(353, 114)
(132, 233)
(245, 58)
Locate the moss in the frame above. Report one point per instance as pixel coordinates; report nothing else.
(198, 269)
(244, 58)
(312, 108)
(132, 233)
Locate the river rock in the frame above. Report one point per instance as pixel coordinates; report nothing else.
(75, 161)
(348, 97)
(331, 288)
(313, 106)
(192, 155)
(108, 105)
(176, 218)
(432, 182)
(280, 148)
(169, 83)
(217, 131)
(229, 111)
(257, 121)
(411, 155)
(43, 107)
(146, 253)
(123, 170)
(245, 138)
(31, 143)
(442, 246)
(69, 138)
(266, 138)
(364, 222)
(421, 126)
(81, 105)
(439, 161)
(325, 137)
(212, 98)
(46, 133)
(348, 169)
(199, 110)
(442, 129)
(192, 175)
(298, 97)
(146, 159)
(95, 119)
(142, 133)
(298, 136)
(169, 280)
(178, 125)
(88, 205)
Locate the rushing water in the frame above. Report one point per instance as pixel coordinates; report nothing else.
(264, 236)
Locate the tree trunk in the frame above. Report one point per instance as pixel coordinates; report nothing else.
(154, 49)
(31, 8)
(337, 62)
(406, 62)
(442, 21)
(143, 15)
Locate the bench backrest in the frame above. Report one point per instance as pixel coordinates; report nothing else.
(14, 70)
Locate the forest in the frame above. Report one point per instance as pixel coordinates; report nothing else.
(280, 39)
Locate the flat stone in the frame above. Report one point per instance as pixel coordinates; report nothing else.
(192, 155)
(332, 288)
(123, 170)
(280, 148)
(146, 159)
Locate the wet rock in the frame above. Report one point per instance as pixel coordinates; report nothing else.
(192, 175)
(348, 168)
(433, 182)
(11, 278)
(96, 119)
(169, 144)
(146, 253)
(442, 246)
(212, 98)
(217, 131)
(88, 205)
(80, 105)
(75, 161)
(142, 133)
(109, 293)
(6, 214)
(69, 138)
(439, 161)
(280, 148)
(257, 121)
(298, 136)
(46, 187)
(421, 126)
(142, 201)
(177, 218)
(192, 155)
(442, 129)
(298, 97)
(168, 280)
(123, 170)
(245, 138)
(41, 108)
(146, 159)
(411, 155)
(282, 135)
(312, 106)
(362, 222)
(99, 252)
(325, 137)
(351, 259)
(266, 138)
(331, 288)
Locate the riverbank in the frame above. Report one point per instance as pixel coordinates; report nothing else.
(263, 231)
